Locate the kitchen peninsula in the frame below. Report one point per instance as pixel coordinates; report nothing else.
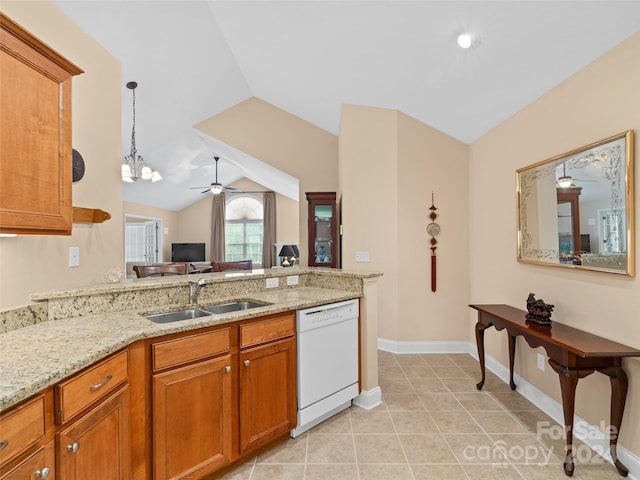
(102, 330)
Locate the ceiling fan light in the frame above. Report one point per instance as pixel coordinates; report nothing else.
(464, 40)
(565, 182)
(216, 188)
(156, 177)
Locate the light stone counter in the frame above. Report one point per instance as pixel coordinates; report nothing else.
(39, 355)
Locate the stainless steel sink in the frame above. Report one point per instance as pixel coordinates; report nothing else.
(188, 314)
(191, 313)
(233, 307)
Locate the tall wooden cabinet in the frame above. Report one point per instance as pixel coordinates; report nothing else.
(93, 410)
(35, 135)
(192, 405)
(268, 393)
(322, 229)
(26, 440)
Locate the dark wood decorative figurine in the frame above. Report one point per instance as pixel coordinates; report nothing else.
(539, 312)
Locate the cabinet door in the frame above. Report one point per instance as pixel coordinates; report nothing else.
(267, 392)
(35, 136)
(38, 466)
(192, 419)
(97, 445)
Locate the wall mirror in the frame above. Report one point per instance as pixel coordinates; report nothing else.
(575, 210)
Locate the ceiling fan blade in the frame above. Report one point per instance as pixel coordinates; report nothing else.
(195, 188)
(232, 189)
(205, 191)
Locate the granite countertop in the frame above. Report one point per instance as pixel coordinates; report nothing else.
(38, 356)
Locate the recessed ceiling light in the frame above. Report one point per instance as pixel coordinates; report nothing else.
(464, 40)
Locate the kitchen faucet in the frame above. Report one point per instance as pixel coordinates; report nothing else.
(194, 290)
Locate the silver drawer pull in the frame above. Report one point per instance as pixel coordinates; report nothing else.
(247, 363)
(227, 369)
(98, 386)
(73, 448)
(3, 444)
(44, 473)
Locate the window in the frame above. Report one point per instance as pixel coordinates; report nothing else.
(244, 229)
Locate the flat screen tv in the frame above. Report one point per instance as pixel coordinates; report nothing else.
(187, 252)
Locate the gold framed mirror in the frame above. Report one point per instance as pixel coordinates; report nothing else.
(575, 210)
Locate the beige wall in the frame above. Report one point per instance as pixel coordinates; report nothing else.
(194, 221)
(389, 165)
(29, 262)
(285, 142)
(601, 100)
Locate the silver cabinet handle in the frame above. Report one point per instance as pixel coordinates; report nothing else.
(247, 363)
(227, 369)
(3, 444)
(98, 386)
(73, 448)
(44, 473)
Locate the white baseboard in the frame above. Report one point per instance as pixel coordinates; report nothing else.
(369, 399)
(583, 431)
(424, 347)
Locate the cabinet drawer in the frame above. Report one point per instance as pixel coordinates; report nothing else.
(191, 348)
(80, 391)
(267, 330)
(22, 427)
(40, 464)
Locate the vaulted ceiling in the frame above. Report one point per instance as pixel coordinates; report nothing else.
(194, 59)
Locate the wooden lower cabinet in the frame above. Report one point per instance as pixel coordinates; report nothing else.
(192, 419)
(267, 392)
(97, 445)
(39, 465)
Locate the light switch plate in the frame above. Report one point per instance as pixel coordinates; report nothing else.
(74, 256)
(540, 362)
(273, 282)
(292, 280)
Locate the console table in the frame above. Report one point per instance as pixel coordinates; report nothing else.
(573, 354)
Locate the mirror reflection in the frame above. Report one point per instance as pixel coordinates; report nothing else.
(576, 209)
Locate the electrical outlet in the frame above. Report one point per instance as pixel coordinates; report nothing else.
(362, 256)
(74, 256)
(541, 362)
(292, 280)
(273, 282)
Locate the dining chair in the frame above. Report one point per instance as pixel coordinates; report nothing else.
(237, 265)
(161, 270)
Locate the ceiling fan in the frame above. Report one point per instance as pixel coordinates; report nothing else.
(217, 188)
(566, 181)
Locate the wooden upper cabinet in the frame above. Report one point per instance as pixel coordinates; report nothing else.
(35, 135)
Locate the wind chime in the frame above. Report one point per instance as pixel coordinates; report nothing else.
(433, 229)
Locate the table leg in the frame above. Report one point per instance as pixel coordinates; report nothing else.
(568, 383)
(480, 328)
(619, 384)
(512, 356)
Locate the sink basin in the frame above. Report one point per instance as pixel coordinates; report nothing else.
(233, 307)
(189, 314)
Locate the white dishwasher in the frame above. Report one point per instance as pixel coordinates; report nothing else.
(327, 362)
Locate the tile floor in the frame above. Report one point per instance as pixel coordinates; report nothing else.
(433, 424)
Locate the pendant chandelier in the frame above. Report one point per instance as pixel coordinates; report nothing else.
(133, 165)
